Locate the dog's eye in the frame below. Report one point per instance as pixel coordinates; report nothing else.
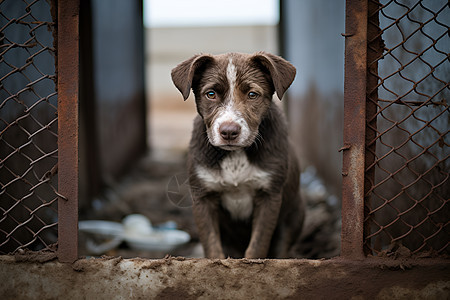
(211, 95)
(253, 95)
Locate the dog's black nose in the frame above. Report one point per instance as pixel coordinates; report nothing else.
(229, 130)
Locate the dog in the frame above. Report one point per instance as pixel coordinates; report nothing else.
(243, 174)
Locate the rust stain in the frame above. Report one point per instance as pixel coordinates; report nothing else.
(354, 129)
(67, 46)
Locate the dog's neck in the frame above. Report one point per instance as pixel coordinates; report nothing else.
(214, 155)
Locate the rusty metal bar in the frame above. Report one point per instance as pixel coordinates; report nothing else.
(354, 129)
(68, 36)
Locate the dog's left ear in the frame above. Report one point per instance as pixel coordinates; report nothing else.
(281, 71)
(183, 74)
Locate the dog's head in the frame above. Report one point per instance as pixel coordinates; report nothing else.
(233, 92)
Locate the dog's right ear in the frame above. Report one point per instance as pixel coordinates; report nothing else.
(183, 74)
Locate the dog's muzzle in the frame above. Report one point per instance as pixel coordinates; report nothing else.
(229, 131)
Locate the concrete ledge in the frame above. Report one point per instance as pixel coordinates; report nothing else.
(179, 278)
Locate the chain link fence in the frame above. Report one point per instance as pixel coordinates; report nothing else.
(28, 126)
(407, 185)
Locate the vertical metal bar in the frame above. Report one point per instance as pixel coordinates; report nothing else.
(68, 12)
(354, 129)
(281, 39)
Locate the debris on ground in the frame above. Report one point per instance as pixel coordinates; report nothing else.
(158, 190)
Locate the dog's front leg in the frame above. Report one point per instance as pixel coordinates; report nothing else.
(265, 217)
(206, 218)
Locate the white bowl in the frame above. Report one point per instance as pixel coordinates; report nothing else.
(159, 240)
(105, 228)
(111, 234)
(138, 224)
(137, 237)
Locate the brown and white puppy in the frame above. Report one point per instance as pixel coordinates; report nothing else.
(244, 176)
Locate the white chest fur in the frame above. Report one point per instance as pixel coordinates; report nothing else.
(238, 180)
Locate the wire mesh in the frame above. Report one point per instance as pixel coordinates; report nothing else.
(407, 124)
(28, 127)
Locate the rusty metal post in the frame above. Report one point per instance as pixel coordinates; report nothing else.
(67, 53)
(354, 129)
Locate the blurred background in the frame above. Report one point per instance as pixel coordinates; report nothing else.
(136, 127)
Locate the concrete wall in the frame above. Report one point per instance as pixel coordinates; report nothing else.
(112, 92)
(313, 43)
(178, 278)
(118, 91)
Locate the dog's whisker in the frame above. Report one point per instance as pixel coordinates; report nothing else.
(259, 139)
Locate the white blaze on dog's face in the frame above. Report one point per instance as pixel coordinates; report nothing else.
(232, 95)
(229, 129)
(233, 92)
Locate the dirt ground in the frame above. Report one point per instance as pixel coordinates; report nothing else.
(184, 278)
(154, 188)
